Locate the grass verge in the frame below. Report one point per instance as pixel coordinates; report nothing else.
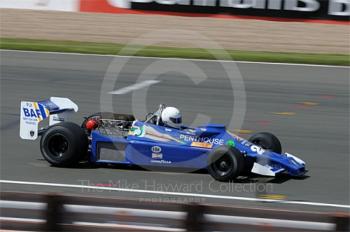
(155, 51)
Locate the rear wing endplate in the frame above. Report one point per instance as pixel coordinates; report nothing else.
(57, 109)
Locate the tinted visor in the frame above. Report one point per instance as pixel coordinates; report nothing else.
(176, 120)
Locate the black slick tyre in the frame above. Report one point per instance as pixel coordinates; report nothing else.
(64, 144)
(225, 163)
(267, 141)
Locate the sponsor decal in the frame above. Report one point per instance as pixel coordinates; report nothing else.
(156, 149)
(246, 143)
(305, 9)
(213, 141)
(34, 112)
(200, 144)
(257, 149)
(31, 114)
(191, 131)
(157, 156)
(161, 161)
(156, 152)
(137, 131)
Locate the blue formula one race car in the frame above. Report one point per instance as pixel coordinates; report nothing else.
(121, 139)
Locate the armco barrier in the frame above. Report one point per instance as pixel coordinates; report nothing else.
(52, 212)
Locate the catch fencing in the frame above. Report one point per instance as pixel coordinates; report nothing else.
(54, 212)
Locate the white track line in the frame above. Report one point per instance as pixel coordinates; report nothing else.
(173, 58)
(134, 87)
(85, 187)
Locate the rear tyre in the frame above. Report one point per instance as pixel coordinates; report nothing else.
(225, 163)
(64, 144)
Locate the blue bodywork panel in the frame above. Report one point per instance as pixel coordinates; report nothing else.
(152, 145)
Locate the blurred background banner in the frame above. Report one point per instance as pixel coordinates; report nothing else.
(270, 9)
(55, 5)
(302, 9)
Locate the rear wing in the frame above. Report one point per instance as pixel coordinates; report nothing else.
(57, 109)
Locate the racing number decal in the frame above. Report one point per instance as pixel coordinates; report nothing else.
(257, 149)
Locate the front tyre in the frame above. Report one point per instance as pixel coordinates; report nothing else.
(225, 163)
(267, 141)
(64, 144)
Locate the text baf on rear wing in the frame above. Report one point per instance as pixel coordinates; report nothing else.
(57, 109)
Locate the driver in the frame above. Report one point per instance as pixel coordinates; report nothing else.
(171, 117)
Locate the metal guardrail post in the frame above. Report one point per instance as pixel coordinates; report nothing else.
(195, 217)
(342, 222)
(54, 212)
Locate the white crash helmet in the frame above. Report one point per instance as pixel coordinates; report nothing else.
(171, 116)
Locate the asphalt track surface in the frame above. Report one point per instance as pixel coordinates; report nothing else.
(307, 107)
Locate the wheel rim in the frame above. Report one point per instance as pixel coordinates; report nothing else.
(58, 145)
(223, 166)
